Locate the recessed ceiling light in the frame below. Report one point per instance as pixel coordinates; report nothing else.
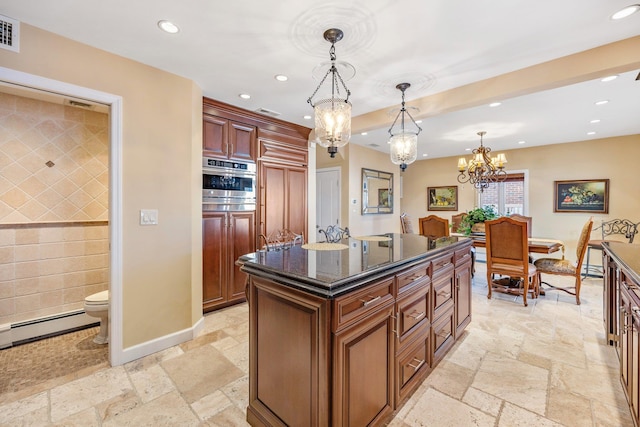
(467, 149)
(281, 77)
(604, 101)
(425, 155)
(307, 117)
(522, 142)
(609, 78)
(168, 26)
(595, 121)
(591, 133)
(623, 13)
(363, 134)
(418, 121)
(244, 96)
(495, 104)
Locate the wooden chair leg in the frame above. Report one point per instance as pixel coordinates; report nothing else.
(489, 283)
(578, 283)
(525, 281)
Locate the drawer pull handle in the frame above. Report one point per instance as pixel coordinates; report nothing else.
(446, 295)
(415, 367)
(415, 277)
(444, 265)
(443, 334)
(417, 316)
(371, 301)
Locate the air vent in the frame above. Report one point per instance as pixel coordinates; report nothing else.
(373, 144)
(78, 104)
(9, 33)
(267, 112)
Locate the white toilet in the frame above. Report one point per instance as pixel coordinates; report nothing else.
(97, 305)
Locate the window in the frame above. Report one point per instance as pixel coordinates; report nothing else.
(507, 197)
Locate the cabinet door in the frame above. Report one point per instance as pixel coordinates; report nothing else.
(215, 134)
(462, 295)
(272, 198)
(214, 265)
(443, 288)
(297, 199)
(242, 142)
(282, 198)
(241, 242)
(363, 371)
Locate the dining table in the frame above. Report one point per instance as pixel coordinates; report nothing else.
(537, 245)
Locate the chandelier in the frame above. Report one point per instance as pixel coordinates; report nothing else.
(332, 113)
(404, 143)
(482, 169)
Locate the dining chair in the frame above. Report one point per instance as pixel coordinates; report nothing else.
(508, 256)
(456, 220)
(564, 267)
(624, 228)
(334, 234)
(405, 222)
(433, 226)
(527, 219)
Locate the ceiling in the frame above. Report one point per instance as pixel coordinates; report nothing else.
(229, 48)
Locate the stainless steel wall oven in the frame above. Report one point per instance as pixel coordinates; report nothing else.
(228, 185)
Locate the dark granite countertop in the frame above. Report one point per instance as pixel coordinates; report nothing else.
(330, 273)
(627, 256)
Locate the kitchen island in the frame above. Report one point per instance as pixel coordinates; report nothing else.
(343, 337)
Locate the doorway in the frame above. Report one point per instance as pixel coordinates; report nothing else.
(328, 194)
(114, 103)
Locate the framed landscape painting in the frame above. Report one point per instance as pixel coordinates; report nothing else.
(588, 195)
(442, 198)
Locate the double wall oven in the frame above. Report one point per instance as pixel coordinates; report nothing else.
(228, 185)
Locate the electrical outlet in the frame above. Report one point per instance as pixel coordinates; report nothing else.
(148, 216)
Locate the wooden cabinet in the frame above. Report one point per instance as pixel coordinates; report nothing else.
(354, 358)
(363, 370)
(622, 289)
(630, 344)
(226, 237)
(462, 293)
(282, 198)
(228, 139)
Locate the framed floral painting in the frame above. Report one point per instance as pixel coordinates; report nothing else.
(588, 195)
(442, 198)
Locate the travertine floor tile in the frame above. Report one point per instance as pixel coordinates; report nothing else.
(569, 408)
(437, 407)
(151, 383)
(167, 410)
(512, 416)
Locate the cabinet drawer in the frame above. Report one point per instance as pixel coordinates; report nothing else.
(442, 335)
(413, 276)
(412, 366)
(442, 294)
(462, 256)
(354, 306)
(413, 311)
(441, 265)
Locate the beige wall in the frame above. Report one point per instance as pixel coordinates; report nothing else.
(161, 127)
(612, 158)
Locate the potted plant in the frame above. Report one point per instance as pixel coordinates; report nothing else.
(476, 216)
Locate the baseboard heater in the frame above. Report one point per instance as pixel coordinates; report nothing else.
(44, 327)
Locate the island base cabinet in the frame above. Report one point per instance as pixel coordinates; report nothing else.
(363, 372)
(290, 374)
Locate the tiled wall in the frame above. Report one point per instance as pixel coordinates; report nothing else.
(54, 162)
(54, 247)
(45, 270)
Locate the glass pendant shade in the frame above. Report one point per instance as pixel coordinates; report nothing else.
(403, 149)
(333, 122)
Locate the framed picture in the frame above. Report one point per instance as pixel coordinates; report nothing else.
(587, 195)
(442, 198)
(383, 197)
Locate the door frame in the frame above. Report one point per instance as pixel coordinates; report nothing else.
(116, 354)
(330, 169)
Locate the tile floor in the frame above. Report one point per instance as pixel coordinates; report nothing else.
(542, 365)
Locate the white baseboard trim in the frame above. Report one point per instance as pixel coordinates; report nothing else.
(162, 343)
(20, 332)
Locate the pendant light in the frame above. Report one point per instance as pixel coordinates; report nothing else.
(404, 142)
(332, 113)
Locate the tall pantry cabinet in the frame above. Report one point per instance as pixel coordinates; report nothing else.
(280, 151)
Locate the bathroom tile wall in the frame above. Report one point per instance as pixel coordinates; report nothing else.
(54, 248)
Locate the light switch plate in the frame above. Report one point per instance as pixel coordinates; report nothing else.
(148, 216)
